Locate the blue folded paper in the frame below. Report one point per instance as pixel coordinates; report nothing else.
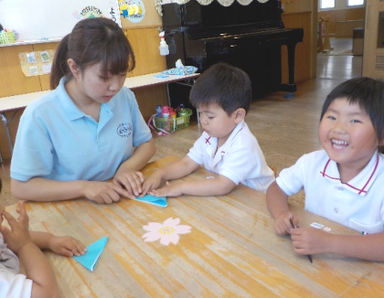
(94, 251)
(158, 201)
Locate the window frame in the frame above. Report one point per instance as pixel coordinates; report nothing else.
(355, 5)
(325, 8)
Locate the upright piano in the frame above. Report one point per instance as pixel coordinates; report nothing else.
(248, 36)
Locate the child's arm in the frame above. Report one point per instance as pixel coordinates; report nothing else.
(277, 203)
(62, 245)
(217, 186)
(175, 170)
(35, 263)
(128, 176)
(312, 241)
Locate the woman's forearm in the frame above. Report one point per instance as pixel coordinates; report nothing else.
(40, 189)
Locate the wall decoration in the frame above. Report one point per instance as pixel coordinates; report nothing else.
(132, 10)
(91, 12)
(36, 63)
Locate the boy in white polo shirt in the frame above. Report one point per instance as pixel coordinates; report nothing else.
(227, 147)
(344, 181)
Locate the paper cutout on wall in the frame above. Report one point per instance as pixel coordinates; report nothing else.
(132, 10)
(167, 232)
(36, 63)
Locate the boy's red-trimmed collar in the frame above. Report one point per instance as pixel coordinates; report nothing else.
(359, 184)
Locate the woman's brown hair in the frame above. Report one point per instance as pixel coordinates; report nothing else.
(94, 40)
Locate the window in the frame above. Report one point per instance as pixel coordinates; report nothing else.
(327, 4)
(355, 2)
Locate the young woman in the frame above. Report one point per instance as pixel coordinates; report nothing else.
(89, 129)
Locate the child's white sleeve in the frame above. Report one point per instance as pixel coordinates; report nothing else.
(195, 152)
(14, 285)
(291, 180)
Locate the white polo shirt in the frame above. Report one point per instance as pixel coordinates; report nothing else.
(240, 158)
(56, 140)
(12, 284)
(357, 204)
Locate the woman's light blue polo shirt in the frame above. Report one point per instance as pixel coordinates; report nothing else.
(56, 140)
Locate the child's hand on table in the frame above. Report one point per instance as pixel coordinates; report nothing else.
(282, 224)
(168, 190)
(66, 246)
(18, 234)
(152, 182)
(307, 241)
(130, 181)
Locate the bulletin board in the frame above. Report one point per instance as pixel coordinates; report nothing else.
(39, 20)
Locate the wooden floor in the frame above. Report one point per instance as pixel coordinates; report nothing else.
(285, 128)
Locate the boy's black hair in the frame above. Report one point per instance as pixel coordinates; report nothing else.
(224, 84)
(368, 93)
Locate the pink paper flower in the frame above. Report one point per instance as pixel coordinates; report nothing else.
(167, 232)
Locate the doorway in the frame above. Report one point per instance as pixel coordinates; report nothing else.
(341, 31)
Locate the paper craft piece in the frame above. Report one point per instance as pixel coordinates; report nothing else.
(167, 232)
(317, 225)
(158, 201)
(320, 226)
(94, 251)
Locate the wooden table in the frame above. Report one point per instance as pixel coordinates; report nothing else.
(231, 250)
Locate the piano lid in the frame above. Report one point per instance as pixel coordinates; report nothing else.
(198, 18)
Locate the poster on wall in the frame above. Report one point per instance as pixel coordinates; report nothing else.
(36, 63)
(47, 20)
(132, 10)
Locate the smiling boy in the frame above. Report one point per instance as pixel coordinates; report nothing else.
(344, 181)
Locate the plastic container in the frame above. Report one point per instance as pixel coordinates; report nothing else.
(171, 124)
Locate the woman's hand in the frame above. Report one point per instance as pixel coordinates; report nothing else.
(130, 182)
(102, 192)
